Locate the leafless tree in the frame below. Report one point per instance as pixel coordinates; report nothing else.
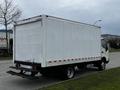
(9, 12)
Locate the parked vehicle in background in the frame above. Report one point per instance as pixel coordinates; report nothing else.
(3, 43)
(48, 44)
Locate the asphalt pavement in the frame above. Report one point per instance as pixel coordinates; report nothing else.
(10, 82)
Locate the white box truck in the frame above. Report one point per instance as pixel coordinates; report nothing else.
(48, 44)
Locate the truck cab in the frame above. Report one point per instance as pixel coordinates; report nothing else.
(105, 50)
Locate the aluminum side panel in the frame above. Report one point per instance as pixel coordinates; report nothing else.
(69, 40)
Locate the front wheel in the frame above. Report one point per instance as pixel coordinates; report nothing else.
(102, 66)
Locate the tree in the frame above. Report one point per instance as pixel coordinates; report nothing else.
(9, 13)
(114, 43)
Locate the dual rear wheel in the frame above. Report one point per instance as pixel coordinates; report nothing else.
(69, 72)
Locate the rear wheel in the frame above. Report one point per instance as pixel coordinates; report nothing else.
(69, 72)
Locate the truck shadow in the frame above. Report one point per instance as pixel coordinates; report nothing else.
(85, 71)
(42, 81)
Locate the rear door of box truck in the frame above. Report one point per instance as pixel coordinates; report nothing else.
(28, 42)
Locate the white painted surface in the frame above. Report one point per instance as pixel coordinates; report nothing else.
(70, 40)
(54, 39)
(28, 42)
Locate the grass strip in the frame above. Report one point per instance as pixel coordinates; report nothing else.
(104, 80)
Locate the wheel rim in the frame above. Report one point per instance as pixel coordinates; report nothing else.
(70, 72)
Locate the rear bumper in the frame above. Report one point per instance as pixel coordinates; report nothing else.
(24, 69)
(26, 66)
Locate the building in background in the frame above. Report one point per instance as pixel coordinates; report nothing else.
(109, 36)
(112, 40)
(3, 44)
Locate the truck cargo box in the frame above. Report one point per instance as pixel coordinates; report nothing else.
(52, 41)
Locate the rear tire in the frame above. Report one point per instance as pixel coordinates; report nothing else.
(69, 72)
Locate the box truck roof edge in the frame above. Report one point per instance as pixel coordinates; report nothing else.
(39, 18)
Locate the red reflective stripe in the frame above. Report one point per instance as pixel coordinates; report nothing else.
(77, 59)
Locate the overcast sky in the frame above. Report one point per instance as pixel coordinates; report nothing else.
(87, 11)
